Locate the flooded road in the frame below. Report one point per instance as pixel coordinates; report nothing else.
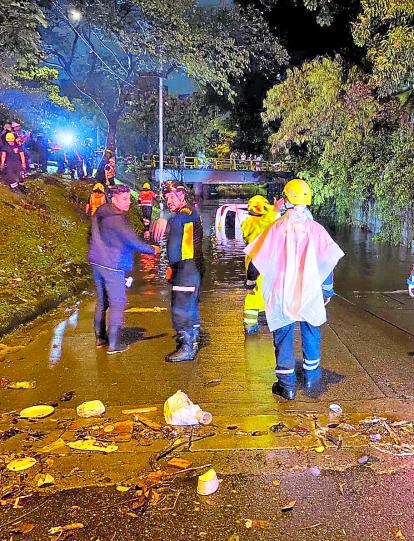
(266, 451)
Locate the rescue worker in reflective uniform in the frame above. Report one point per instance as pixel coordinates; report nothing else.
(185, 254)
(146, 199)
(13, 163)
(105, 174)
(262, 214)
(295, 257)
(96, 199)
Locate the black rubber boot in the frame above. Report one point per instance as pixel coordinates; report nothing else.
(286, 392)
(115, 346)
(312, 378)
(186, 350)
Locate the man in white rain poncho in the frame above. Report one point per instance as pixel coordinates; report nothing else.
(295, 257)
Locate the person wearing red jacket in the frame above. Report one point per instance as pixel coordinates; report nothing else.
(146, 199)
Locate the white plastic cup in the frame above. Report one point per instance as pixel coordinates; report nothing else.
(204, 417)
(207, 483)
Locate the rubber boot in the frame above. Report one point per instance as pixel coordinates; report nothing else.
(196, 339)
(186, 350)
(114, 334)
(287, 392)
(312, 378)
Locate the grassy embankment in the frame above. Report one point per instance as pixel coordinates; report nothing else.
(43, 255)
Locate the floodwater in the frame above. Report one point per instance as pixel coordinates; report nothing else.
(368, 266)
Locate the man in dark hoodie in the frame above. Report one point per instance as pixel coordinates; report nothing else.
(112, 245)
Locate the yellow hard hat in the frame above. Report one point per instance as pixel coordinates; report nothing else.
(298, 192)
(146, 186)
(258, 205)
(10, 137)
(99, 186)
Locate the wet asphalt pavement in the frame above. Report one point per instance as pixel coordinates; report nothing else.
(367, 360)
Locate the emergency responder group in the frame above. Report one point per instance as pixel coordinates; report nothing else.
(290, 260)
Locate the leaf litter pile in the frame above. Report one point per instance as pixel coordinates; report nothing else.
(29, 471)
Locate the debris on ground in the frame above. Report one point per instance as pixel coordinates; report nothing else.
(66, 528)
(92, 444)
(21, 385)
(67, 396)
(179, 410)
(180, 463)
(148, 409)
(212, 382)
(20, 464)
(6, 350)
(37, 412)
(155, 309)
(92, 408)
(57, 444)
(336, 408)
(45, 480)
(289, 506)
(208, 483)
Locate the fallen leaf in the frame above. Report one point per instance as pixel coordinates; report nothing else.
(57, 444)
(234, 537)
(289, 506)
(20, 464)
(397, 533)
(66, 528)
(248, 524)
(22, 528)
(92, 445)
(121, 488)
(212, 382)
(4, 382)
(320, 449)
(22, 385)
(276, 482)
(45, 481)
(364, 460)
(341, 487)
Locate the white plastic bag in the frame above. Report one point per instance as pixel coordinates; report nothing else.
(180, 411)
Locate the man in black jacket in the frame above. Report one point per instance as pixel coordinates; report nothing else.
(112, 245)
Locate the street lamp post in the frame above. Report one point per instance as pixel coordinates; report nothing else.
(161, 130)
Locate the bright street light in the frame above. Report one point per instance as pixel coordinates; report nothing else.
(75, 15)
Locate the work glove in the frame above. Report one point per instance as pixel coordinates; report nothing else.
(128, 281)
(168, 273)
(250, 285)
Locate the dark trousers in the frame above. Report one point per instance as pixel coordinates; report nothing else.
(184, 308)
(285, 355)
(110, 292)
(13, 174)
(146, 216)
